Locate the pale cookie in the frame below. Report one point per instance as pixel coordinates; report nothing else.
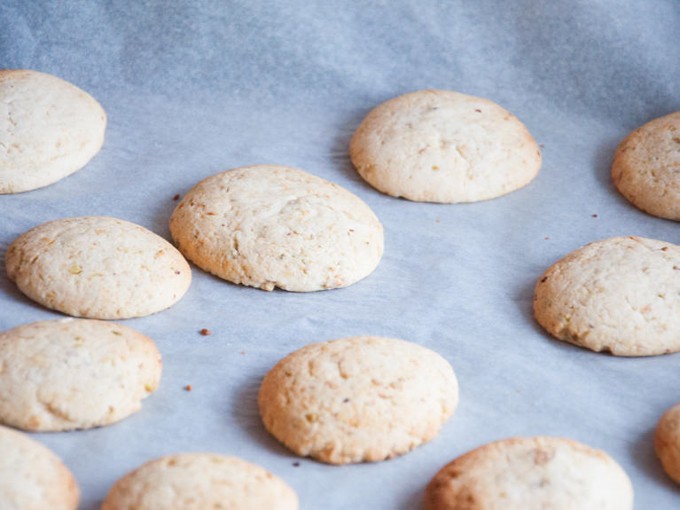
(646, 168)
(667, 442)
(49, 129)
(619, 295)
(275, 226)
(98, 267)
(361, 399)
(442, 146)
(533, 473)
(74, 374)
(200, 481)
(32, 477)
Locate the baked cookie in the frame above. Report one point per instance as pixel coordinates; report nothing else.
(646, 168)
(442, 146)
(32, 477)
(275, 226)
(667, 442)
(74, 374)
(98, 267)
(361, 399)
(533, 473)
(619, 295)
(49, 129)
(198, 481)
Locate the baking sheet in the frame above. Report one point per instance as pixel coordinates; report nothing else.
(193, 88)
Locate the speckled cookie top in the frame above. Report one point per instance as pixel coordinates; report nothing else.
(534, 473)
(646, 168)
(358, 399)
(74, 374)
(200, 481)
(443, 146)
(274, 226)
(620, 295)
(32, 477)
(98, 267)
(49, 128)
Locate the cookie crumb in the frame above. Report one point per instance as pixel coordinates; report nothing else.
(296, 464)
(205, 332)
(242, 353)
(176, 197)
(594, 215)
(546, 238)
(188, 387)
(437, 220)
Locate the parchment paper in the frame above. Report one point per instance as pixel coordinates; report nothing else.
(196, 87)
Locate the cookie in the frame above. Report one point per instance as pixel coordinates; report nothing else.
(619, 295)
(74, 374)
(533, 473)
(275, 226)
(98, 267)
(49, 129)
(198, 481)
(32, 477)
(667, 442)
(360, 399)
(646, 168)
(442, 146)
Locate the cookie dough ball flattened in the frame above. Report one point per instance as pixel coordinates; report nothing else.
(200, 481)
(32, 477)
(442, 146)
(646, 168)
(275, 226)
(358, 399)
(49, 129)
(667, 442)
(74, 374)
(98, 267)
(534, 473)
(620, 295)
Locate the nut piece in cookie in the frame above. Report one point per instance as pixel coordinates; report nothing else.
(360, 399)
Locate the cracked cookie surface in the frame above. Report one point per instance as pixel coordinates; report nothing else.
(199, 481)
(49, 129)
(273, 226)
(32, 477)
(532, 473)
(98, 267)
(74, 374)
(359, 399)
(646, 167)
(620, 295)
(443, 146)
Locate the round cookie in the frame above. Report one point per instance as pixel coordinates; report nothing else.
(534, 473)
(667, 442)
(619, 295)
(443, 146)
(98, 267)
(32, 477)
(646, 168)
(74, 374)
(49, 129)
(275, 226)
(198, 481)
(360, 399)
